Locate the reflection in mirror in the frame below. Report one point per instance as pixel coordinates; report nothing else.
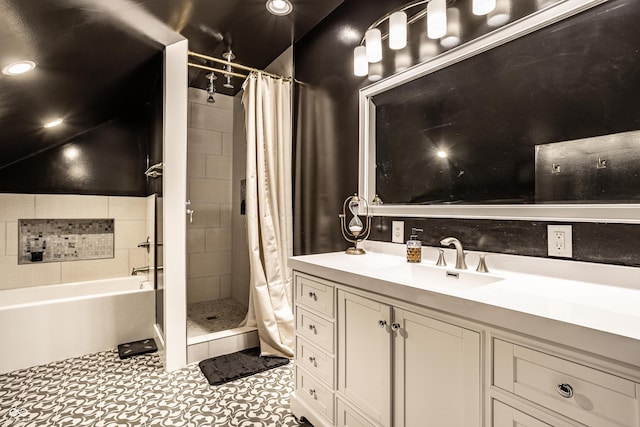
(488, 122)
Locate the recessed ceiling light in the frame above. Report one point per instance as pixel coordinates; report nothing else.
(19, 67)
(279, 7)
(53, 123)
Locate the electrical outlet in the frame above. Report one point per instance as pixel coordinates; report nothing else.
(397, 232)
(560, 241)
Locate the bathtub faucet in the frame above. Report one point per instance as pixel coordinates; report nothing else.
(137, 270)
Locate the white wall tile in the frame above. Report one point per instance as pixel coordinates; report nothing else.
(15, 206)
(19, 276)
(138, 258)
(128, 234)
(218, 239)
(128, 208)
(195, 240)
(203, 289)
(219, 167)
(205, 215)
(204, 141)
(196, 165)
(3, 239)
(199, 96)
(12, 238)
(209, 191)
(97, 269)
(225, 215)
(211, 118)
(209, 264)
(225, 286)
(71, 206)
(227, 144)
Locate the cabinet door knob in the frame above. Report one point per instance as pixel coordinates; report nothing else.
(313, 296)
(565, 390)
(382, 323)
(313, 328)
(395, 326)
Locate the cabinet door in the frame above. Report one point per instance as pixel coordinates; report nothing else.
(364, 355)
(437, 373)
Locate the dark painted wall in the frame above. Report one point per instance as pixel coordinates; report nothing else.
(108, 159)
(326, 143)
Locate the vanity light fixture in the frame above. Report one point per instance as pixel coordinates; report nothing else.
(436, 18)
(19, 67)
(398, 20)
(483, 7)
(373, 44)
(398, 30)
(279, 7)
(53, 123)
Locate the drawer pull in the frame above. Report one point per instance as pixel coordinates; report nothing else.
(312, 360)
(313, 296)
(313, 329)
(395, 326)
(565, 390)
(382, 323)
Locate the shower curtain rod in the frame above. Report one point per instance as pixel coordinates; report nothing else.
(233, 64)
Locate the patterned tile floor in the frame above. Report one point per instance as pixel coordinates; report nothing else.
(103, 391)
(213, 316)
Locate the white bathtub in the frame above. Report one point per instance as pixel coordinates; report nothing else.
(44, 324)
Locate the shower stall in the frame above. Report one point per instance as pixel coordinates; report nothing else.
(217, 251)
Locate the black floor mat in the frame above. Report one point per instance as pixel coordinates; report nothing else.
(137, 347)
(222, 369)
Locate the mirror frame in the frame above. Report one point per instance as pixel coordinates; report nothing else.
(620, 213)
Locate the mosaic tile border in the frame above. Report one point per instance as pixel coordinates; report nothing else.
(59, 240)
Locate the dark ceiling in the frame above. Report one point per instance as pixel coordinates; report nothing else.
(96, 58)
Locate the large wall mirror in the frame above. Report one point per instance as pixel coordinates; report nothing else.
(539, 119)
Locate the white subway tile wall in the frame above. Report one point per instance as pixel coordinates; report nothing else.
(130, 220)
(209, 170)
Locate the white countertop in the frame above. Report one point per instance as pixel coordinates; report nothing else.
(598, 306)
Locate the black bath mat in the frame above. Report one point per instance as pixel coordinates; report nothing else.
(222, 369)
(136, 348)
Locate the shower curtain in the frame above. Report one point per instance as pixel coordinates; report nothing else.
(267, 105)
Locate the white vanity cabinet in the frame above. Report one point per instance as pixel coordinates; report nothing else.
(432, 367)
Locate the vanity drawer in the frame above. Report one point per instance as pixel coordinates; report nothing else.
(315, 361)
(506, 416)
(314, 329)
(315, 294)
(590, 396)
(318, 395)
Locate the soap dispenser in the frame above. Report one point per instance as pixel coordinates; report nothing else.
(414, 246)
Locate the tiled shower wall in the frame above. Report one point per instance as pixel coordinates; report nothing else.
(209, 169)
(129, 214)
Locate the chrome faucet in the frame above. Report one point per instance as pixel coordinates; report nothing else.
(137, 270)
(460, 264)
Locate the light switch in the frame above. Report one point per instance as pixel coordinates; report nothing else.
(397, 232)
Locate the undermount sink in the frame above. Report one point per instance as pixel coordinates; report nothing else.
(426, 275)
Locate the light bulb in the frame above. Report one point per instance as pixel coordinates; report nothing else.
(398, 30)
(20, 67)
(360, 63)
(437, 18)
(482, 7)
(500, 15)
(373, 42)
(452, 38)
